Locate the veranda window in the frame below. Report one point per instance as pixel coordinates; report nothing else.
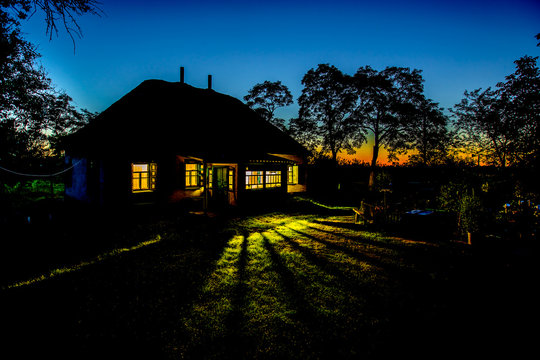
(143, 176)
(262, 179)
(254, 179)
(273, 179)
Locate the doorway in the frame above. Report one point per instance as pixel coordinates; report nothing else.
(223, 184)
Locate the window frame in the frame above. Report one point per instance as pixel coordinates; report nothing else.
(254, 174)
(196, 173)
(263, 179)
(272, 179)
(292, 175)
(150, 175)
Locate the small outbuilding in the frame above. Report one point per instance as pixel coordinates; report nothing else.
(169, 141)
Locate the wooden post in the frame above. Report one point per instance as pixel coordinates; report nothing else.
(205, 182)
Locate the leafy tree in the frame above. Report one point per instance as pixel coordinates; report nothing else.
(265, 98)
(32, 113)
(520, 98)
(22, 87)
(482, 127)
(326, 106)
(386, 107)
(502, 125)
(427, 137)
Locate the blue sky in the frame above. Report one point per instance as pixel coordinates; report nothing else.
(459, 45)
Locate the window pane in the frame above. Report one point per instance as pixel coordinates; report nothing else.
(140, 167)
(144, 177)
(144, 183)
(136, 185)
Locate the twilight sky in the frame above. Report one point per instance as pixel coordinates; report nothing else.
(459, 45)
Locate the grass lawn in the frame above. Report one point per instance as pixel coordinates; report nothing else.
(302, 283)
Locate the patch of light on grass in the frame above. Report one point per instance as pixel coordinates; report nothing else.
(70, 269)
(208, 315)
(266, 301)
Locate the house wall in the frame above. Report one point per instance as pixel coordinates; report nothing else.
(86, 181)
(76, 179)
(109, 182)
(302, 181)
(296, 188)
(176, 185)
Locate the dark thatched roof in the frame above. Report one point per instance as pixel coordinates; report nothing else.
(164, 118)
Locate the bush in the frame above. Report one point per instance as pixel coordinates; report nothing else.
(24, 193)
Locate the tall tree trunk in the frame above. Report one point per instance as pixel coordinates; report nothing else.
(334, 156)
(335, 182)
(373, 164)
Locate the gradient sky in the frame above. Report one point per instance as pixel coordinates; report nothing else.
(459, 45)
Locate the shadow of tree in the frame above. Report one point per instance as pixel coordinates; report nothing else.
(272, 286)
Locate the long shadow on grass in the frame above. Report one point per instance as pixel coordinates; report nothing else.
(361, 286)
(393, 245)
(317, 340)
(400, 300)
(416, 251)
(220, 334)
(364, 302)
(361, 256)
(321, 262)
(235, 344)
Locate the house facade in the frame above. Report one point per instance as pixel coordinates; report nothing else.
(168, 142)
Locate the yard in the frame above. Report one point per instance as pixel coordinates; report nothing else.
(305, 282)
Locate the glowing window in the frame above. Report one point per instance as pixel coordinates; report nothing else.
(231, 179)
(193, 175)
(292, 174)
(254, 179)
(273, 179)
(143, 176)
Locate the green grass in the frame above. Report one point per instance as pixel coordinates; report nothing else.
(277, 285)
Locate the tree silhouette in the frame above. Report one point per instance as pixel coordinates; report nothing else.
(503, 125)
(265, 98)
(386, 107)
(427, 136)
(57, 12)
(482, 127)
(31, 111)
(520, 95)
(326, 106)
